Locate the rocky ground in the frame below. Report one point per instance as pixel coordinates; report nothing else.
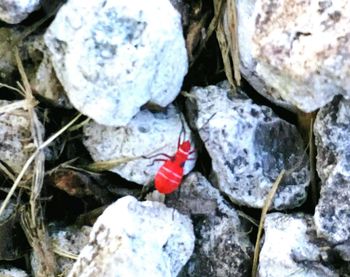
(98, 100)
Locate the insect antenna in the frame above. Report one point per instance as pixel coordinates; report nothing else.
(182, 132)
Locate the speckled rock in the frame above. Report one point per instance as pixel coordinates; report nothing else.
(280, 58)
(291, 248)
(15, 135)
(332, 127)
(222, 245)
(249, 146)
(148, 133)
(70, 240)
(112, 57)
(134, 238)
(14, 11)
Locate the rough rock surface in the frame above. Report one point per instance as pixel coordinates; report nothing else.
(71, 240)
(291, 248)
(42, 76)
(249, 146)
(148, 133)
(280, 58)
(332, 128)
(222, 246)
(15, 135)
(134, 238)
(112, 57)
(14, 11)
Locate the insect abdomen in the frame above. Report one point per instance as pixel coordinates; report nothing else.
(168, 178)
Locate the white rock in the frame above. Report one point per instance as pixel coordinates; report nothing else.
(295, 52)
(249, 146)
(112, 57)
(291, 248)
(134, 238)
(71, 240)
(12, 272)
(222, 244)
(146, 133)
(14, 11)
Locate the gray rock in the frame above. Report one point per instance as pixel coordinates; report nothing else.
(134, 238)
(222, 246)
(280, 58)
(148, 133)
(249, 146)
(14, 11)
(42, 76)
(69, 240)
(112, 57)
(332, 127)
(291, 248)
(15, 134)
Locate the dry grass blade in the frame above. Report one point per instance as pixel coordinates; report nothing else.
(223, 43)
(11, 88)
(312, 160)
(107, 165)
(34, 155)
(63, 253)
(35, 223)
(264, 210)
(7, 172)
(39, 240)
(232, 38)
(31, 159)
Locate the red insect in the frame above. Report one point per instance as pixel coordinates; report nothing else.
(169, 175)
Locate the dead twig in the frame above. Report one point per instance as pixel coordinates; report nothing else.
(264, 210)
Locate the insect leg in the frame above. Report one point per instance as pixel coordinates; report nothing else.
(157, 155)
(158, 160)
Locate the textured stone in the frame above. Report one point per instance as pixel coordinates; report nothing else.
(134, 238)
(249, 146)
(112, 57)
(332, 128)
(291, 248)
(222, 245)
(148, 133)
(14, 11)
(42, 76)
(15, 136)
(280, 58)
(71, 240)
